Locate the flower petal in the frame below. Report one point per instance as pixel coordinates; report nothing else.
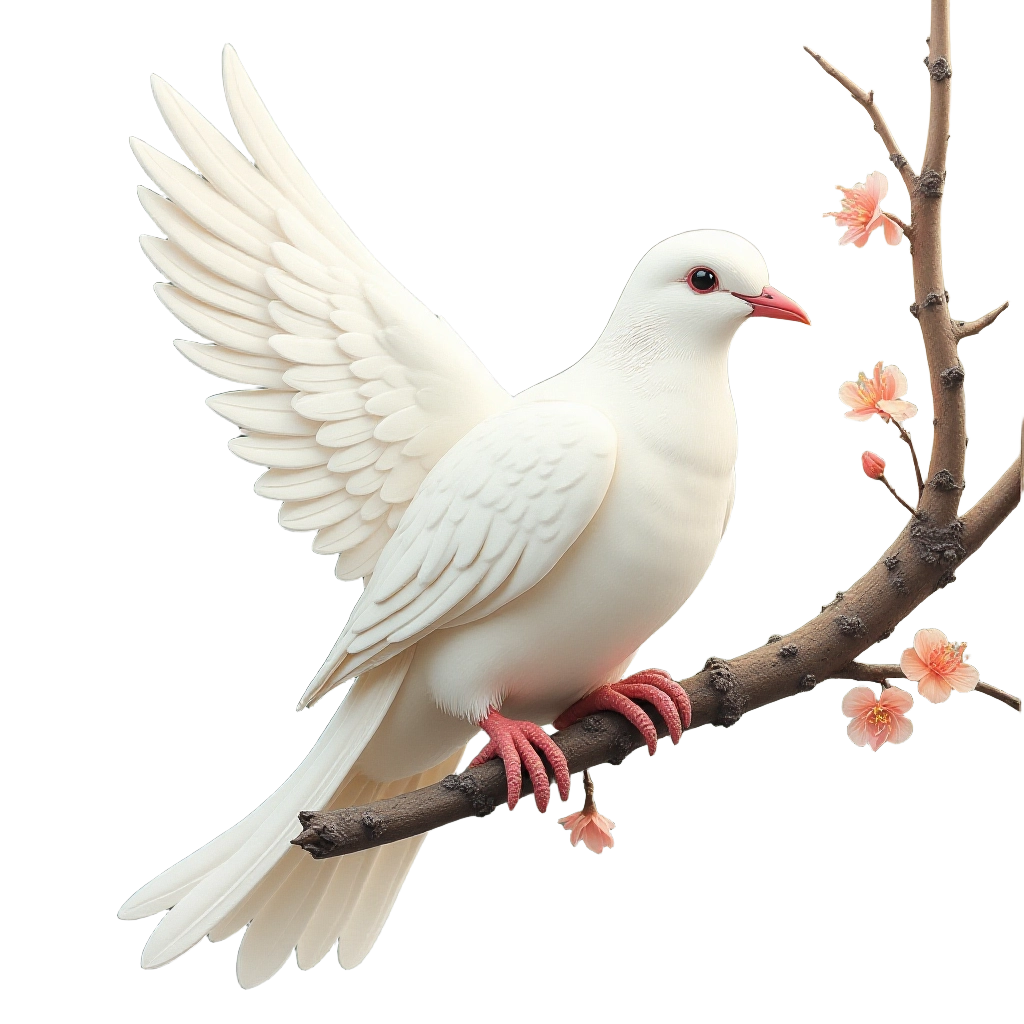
(876, 737)
(573, 824)
(861, 414)
(581, 828)
(913, 667)
(963, 679)
(594, 838)
(902, 729)
(893, 235)
(927, 642)
(858, 701)
(874, 222)
(934, 688)
(855, 235)
(877, 186)
(898, 410)
(893, 382)
(896, 700)
(857, 730)
(851, 395)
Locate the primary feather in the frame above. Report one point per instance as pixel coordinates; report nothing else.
(363, 388)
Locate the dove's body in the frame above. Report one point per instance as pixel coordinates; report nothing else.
(631, 569)
(515, 552)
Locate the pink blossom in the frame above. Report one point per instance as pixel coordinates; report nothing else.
(594, 829)
(862, 213)
(880, 393)
(874, 465)
(937, 666)
(878, 720)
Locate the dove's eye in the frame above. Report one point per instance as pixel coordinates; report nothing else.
(700, 279)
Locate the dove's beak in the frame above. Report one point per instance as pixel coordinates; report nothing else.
(771, 302)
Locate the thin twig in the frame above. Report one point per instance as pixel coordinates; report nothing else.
(917, 468)
(964, 329)
(1006, 698)
(892, 491)
(867, 101)
(865, 673)
(908, 229)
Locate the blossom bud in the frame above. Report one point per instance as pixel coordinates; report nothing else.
(874, 465)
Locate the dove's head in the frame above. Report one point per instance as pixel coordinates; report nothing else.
(700, 286)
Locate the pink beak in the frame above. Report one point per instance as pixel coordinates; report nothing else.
(771, 302)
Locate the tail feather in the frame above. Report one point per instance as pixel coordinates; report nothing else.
(335, 908)
(218, 887)
(309, 901)
(380, 890)
(376, 900)
(257, 899)
(173, 884)
(276, 929)
(356, 789)
(278, 922)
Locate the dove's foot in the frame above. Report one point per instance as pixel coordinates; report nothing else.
(652, 685)
(517, 744)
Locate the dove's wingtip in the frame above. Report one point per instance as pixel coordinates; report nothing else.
(229, 56)
(138, 906)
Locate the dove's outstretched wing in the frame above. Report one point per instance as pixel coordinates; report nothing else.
(490, 521)
(360, 388)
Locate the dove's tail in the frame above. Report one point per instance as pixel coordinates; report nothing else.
(252, 875)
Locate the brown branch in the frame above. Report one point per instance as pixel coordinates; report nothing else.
(905, 436)
(964, 329)
(994, 691)
(949, 445)
(921, 560)
(861, 672)
(867, 101)
(892, 490)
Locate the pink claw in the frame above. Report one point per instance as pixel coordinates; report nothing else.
(652, 685)
(517, 743)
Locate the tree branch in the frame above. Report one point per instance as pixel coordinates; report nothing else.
(921, 560)
(964, 329)
(860, 672)
(913, 454)
(880, 673)
(867, 101)
(824, 648)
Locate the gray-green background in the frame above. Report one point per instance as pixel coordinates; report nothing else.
(512, 164)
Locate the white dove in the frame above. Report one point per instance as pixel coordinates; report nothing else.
(515, 551)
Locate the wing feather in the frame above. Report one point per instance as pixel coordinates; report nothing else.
(362, 389)
(459, 550)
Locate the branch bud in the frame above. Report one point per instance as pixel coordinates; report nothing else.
(874, 465)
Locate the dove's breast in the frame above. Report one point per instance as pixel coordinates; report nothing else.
(640, 558)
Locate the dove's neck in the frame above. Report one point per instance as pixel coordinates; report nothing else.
(665, 387)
